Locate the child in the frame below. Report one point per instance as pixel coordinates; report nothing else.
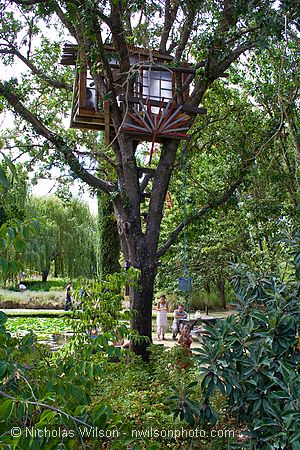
(93, 332)
(185, 338)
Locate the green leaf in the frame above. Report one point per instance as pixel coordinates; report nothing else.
(46, 417)
(19, 244)
(3, 368)
(9, 164)
(295, 438)
(296, 445)
(6, 409)
(13, 267)
(4, 264)
(3, 318)
(11, 232)
(3, 178)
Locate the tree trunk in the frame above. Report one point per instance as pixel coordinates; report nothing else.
(207, 287)
(221, 291)
(141, 302)
(55, 268)
(45, 274)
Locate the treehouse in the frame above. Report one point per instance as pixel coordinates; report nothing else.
(156, 111)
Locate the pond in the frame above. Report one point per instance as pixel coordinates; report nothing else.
(54, 331)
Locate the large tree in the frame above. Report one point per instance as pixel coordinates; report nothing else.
(215, 33)
(65, 242)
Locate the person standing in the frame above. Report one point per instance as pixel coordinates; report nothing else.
(68, 303)
(162, 317)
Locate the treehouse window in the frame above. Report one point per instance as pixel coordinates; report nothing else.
(91, 95)
(155, 85)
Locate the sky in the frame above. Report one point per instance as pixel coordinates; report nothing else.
(44, 187)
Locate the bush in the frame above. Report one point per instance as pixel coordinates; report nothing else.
(201, 299)
(54, 391)
(198, 300)
(32, 300)
(57, 288)
(253, 359)
(38, 285)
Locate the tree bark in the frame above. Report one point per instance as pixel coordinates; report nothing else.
(55, 268)
(221, 291)
(45, 274)
(141, 303)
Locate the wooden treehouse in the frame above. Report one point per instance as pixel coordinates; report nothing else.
(156, 111)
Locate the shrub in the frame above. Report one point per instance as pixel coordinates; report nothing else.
(54, 391)
(253, 359)
(38, 285)
(199, 299)
(57, 288)
(31, 299)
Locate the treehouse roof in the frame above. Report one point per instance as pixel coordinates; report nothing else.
(69, 56)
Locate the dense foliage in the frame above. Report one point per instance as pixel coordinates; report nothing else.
(253, 359)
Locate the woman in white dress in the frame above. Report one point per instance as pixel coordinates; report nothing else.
(162, 318)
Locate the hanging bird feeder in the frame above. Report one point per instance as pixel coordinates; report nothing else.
(185, 284)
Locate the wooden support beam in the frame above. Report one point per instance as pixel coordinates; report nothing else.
(106, 122)
(192, 110)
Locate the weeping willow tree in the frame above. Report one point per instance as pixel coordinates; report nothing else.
(65, 242)
(13, 225)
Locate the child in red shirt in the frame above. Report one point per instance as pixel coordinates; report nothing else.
(185, 338)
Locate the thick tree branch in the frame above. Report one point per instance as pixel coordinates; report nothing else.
(62, 147)
(214, 69)
(170, 16)
(158, 194)
(119, 38)
(203, 211)
(186, 29)
(228, 16)
(54, 83)
(70, 27)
